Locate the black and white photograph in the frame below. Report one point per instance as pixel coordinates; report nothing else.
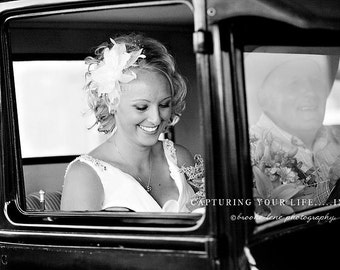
(169, 134)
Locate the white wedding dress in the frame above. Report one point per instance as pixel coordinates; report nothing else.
(123, 190)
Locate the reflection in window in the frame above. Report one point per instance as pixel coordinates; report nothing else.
(294, 132)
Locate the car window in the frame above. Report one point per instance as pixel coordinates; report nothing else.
(48, 64)
(294, 129)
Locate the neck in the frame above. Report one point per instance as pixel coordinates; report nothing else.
(135, 155)
(308, 137)
(137, 161)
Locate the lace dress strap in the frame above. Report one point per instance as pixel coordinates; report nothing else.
(170, 150)
(94, 163)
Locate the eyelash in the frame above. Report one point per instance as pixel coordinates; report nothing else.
(167, 105)
(141, 108)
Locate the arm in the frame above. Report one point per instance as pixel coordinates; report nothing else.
(184, 157)
(82, 189)
(193, 169)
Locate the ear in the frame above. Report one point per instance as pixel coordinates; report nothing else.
(173, 119)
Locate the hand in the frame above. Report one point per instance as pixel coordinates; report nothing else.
(304, 199)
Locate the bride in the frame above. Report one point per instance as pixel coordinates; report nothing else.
(135, 93)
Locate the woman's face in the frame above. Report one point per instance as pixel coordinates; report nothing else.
(145, 108)
(296, 96)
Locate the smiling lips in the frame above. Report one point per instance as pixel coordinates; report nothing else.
(149, 129)
(308, 108)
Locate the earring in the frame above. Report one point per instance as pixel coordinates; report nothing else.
(174, 120)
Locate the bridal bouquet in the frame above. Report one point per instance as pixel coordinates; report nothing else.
(278, 178)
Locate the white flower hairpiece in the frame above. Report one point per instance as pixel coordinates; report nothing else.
(113, 70)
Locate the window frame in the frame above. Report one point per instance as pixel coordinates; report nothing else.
(253, 32)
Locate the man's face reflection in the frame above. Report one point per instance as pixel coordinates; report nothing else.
(295, 94)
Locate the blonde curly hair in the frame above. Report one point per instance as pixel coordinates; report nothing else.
(157, 59)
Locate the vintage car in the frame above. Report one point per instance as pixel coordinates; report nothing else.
(44, 127)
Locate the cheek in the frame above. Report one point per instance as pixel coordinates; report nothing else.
(127, 116)
(289, 102)
(276, 101)
(287, 98)
(322, 95)
(281, 109)
(165, 113)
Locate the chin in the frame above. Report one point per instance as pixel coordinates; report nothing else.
(150, 140)
(313, 121)
(310, 125)
(313, 127)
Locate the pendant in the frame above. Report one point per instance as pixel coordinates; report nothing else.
(148, 188)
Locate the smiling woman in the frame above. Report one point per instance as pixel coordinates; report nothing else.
(148, 96)
(136, 93)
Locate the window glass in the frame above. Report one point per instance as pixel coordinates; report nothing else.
(57, 110)
(55, 123)
(293, 113)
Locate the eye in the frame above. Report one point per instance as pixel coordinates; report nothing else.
(164, 105)
(141, 108)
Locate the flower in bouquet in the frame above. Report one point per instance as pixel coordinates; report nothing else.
(278, 176)
(334, 172)
(196, 178)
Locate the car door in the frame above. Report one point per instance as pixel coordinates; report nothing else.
(240, 30)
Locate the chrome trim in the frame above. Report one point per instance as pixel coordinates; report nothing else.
(116, 228)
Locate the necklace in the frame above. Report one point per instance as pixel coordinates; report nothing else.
(148, 187)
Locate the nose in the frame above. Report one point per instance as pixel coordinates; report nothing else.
(309, 88)
(154, 116)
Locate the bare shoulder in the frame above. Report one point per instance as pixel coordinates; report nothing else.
(184, 156)
(82, 188)
(80, 171)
